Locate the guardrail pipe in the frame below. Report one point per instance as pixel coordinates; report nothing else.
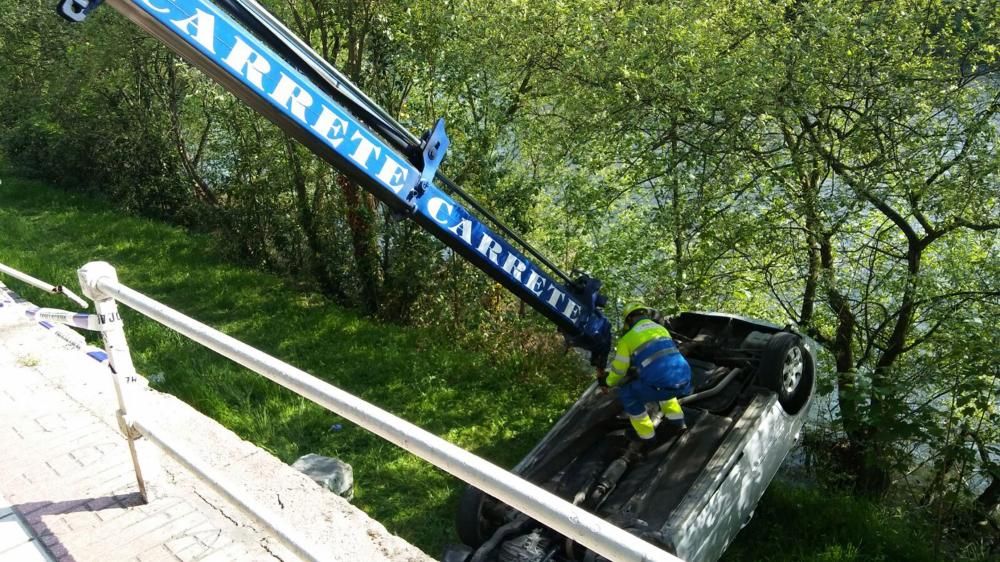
(38, 283)
(550, 510)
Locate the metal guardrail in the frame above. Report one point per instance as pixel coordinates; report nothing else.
(99, 282)
(56, 289)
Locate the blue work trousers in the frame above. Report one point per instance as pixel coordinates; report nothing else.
(634, 395)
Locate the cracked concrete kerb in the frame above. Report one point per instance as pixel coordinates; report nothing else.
(66, 470)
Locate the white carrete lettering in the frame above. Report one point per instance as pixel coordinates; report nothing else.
(331, 126)
(490, 248)
(572, 309)
(201, 27)
(514, 267)
(248, 62)
(364, 150)
(535, 283)
(156, 9)
(434, 206)
(291, 96)
(393, 174)
(463, 230)
(554, 297)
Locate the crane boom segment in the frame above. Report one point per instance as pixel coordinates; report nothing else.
(288, 84)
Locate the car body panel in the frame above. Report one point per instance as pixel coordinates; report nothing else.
(705, 524)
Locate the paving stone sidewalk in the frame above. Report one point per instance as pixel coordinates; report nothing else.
(66, 472)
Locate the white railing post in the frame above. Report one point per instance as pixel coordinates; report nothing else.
(113, 334)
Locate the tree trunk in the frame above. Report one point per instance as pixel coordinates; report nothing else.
(872, 478)
(814, 228)
(202, 191)
(359, 206)
(308, 213)
(678, 244)
(360, 209)
(843, 353)
(677, 230)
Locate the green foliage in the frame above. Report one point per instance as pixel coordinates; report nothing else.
(100, 137)
(817, 525)
(830, 164)
(834, 165)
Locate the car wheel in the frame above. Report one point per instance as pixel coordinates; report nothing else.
(470, 524)
(787, 369)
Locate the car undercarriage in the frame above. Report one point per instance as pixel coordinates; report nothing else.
(688, 493)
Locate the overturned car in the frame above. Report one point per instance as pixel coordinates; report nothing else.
(689, 493)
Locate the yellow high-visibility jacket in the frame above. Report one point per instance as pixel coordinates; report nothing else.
(649, 348)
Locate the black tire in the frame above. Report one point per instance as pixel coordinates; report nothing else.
(787, 368)
(473, 529)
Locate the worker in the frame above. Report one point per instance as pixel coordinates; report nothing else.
(661, 372)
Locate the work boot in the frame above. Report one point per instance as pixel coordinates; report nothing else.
(632, 436)
(633, 451)
(670, 429)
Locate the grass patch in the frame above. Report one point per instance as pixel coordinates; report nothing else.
(795, 523)
(28, 361)
(473, 400)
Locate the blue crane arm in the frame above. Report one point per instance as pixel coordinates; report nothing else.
(279, 76)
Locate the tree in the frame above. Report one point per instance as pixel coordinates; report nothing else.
(854, 150)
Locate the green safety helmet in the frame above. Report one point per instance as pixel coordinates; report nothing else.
(631, 307)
